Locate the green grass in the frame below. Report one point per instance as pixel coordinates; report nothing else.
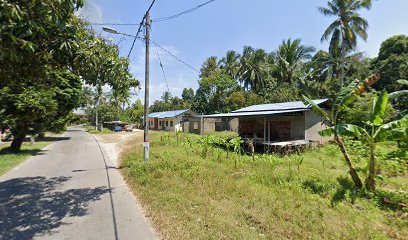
(91, 129)
(9, 160)
(189, 197)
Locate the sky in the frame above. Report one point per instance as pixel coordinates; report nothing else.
(227, 25)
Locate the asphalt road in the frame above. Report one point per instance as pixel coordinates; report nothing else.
(69, 191)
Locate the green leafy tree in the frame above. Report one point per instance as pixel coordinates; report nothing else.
(209, 67)
(188, 95)
(346, 95)
(211, 96)
(44, 54)
(392, 63)
(347, 26)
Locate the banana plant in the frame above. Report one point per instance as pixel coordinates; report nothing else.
(346, 95)
(236, 144)
(375, 132)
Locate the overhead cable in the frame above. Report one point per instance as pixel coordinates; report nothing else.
(182, 13)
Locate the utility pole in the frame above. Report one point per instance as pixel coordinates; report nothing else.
(146, 143)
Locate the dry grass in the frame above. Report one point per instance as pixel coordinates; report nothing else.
(188, 197)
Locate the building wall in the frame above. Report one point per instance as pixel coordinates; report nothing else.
(297, 124)
(314, 124)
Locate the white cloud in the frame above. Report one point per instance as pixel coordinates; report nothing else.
(91, 11)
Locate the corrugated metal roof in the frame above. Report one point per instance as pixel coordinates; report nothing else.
(259, 113)
(268, 109)
(167, 114)
(278, 106)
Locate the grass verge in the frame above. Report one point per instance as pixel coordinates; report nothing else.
(188, 196)
(9, 160)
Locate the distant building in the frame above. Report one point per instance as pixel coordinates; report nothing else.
(169, 120)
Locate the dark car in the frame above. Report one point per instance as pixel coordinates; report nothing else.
(117, 129)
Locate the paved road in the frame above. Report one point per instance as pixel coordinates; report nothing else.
(69, 191)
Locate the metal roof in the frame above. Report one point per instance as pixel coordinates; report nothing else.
(268, 109)
(279, 106)
(260, 113)
(167, 114)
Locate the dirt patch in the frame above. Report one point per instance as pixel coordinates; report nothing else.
(115, 143)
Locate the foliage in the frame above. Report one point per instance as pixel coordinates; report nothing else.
(392, 63)
(212, 93)
(169, 103)
(376, 132)
(45, 51)
(359, 110)
(192, 198)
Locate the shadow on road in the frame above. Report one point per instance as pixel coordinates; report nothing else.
(52, 139)
(31, 206)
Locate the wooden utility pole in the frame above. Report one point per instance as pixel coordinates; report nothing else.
(146, 101)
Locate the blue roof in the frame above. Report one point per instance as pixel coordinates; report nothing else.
(168, 114)
(297, 105)
(268, 109)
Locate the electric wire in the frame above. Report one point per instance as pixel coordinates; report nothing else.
(140, 26)
(161, 66)
(115, 24)
(182, 13)
(171, 54)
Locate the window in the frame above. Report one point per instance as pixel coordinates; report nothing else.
(171, 123)
(218, 126)
(167, 123)
(159, 123)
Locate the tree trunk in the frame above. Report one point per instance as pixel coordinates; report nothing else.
(352, 170)
(370, 181)
(17, 142)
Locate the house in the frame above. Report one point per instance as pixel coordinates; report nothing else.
(169, 120)
(270, 123)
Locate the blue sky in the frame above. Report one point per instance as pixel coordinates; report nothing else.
(228, 25)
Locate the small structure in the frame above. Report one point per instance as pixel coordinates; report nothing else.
(110, 125)
(169, 120)
(276, 125)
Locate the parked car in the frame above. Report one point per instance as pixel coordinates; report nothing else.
(117, 129)
(128, 128)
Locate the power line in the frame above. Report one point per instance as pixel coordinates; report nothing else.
(140, 26)
(161, 66)
(171, 54)
(115, 24)
(182, 13)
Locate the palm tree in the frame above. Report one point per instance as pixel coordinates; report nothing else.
(347, 27)
(254, 68)
(289, 58)
(230, 64)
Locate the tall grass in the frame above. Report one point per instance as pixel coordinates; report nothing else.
(268, 196)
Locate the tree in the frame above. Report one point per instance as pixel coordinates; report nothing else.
(392, 63)
(188, 95)
(254, 68)
(31, 108)
(210, 67)
(347, 27)
(345, 97)
(211, 96)
(135, 112)
(230, 64)
(289, 59)
(377, 132)
(44, 54)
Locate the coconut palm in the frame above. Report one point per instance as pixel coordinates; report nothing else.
(230, 64)
(254, 68)
(347, 27)
(289, 59)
